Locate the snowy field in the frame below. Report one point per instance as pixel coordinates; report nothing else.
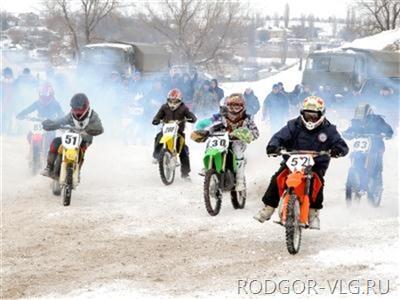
(126, 235)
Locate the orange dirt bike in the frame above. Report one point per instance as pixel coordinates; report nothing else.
(296, 192)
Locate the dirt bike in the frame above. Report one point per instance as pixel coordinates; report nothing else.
(362, 163)
(172, 146)
(67, 164)
(220, 165)
(295, 191)
(39, 142)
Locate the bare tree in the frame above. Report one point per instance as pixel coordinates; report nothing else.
(81, 20)
(381, 15)
(200, 32)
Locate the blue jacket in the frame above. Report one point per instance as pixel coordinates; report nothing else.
(52, 110)
(373, 124)
(295, 136)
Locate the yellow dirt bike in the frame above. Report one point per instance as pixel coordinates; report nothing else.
(172, 146)
(67, 164)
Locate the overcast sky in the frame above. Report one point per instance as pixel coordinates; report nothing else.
(318, 8)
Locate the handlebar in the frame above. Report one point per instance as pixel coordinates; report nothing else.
(299, 152)
(73, 129)
(33, 119)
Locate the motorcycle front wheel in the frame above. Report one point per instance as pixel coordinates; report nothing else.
(67, 190)
(292, 225)
(212, 193)
(166, 167)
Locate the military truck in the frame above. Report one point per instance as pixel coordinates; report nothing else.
(124, 58)
(349, 67)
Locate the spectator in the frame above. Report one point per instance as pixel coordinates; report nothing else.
(275, 108)
(187, 88)
(252, 103)
(205, 102)
(7, 108)
(306, 92)
(216, 89)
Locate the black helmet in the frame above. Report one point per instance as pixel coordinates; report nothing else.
(79, 106)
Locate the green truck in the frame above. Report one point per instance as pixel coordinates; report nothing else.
(124, 58)
(349, 68)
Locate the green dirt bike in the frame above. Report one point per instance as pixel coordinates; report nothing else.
(220, 165)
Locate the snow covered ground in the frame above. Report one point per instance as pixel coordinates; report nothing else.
(126, 235)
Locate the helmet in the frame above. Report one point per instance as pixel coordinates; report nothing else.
(174, 99)
(80, 107)
(362, 111)
(46, 93)
(236, 106)
(312, 112)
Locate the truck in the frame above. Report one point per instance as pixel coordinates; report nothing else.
(349, 68)
(124, 58)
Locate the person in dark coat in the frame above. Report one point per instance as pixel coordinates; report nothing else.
(214, 88)
(174, 110)
(275, 108)
(310, 131)
(252, 103)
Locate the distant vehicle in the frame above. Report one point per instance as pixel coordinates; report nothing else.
(125, 58)
(349, 67)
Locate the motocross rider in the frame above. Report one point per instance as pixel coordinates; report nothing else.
(240, 125)
(81, 117)
(47, 107)
(366, 122)
(310, 131)
(174, 110)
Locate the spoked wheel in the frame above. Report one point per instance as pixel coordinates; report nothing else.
(352, 188)
(166, 165)
(55, 187)
(293, 229)
(67, 191)
(238, 199)
(212, 193)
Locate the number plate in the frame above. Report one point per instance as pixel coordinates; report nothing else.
(71, 140)
(170, 129)
(299, 162)
(361, 145)
(220, 143)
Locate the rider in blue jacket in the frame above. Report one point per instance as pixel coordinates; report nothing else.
(310, 131)
(366, 123)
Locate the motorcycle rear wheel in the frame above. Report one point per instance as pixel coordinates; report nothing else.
(167, 174)
(292, 225)
(212, 193)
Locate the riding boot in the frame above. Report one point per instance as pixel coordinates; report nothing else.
(264, 214)
(48, 170)
(313, 218)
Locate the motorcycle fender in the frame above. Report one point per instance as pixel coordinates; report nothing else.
(71, 155)
(168, 141)
(213, 157)
(37, 138)
(63, 173)
(294, 180)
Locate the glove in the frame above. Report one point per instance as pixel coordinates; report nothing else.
(272, 149)
(242, 134)
(155, 122)
(336, 152)
(199, 136)
(49, 125)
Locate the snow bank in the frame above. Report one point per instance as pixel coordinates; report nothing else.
(376, 42)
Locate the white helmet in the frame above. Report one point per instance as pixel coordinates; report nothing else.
(312, 112)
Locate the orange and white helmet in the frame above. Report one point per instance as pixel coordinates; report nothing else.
(312, 112)
(174, 98)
